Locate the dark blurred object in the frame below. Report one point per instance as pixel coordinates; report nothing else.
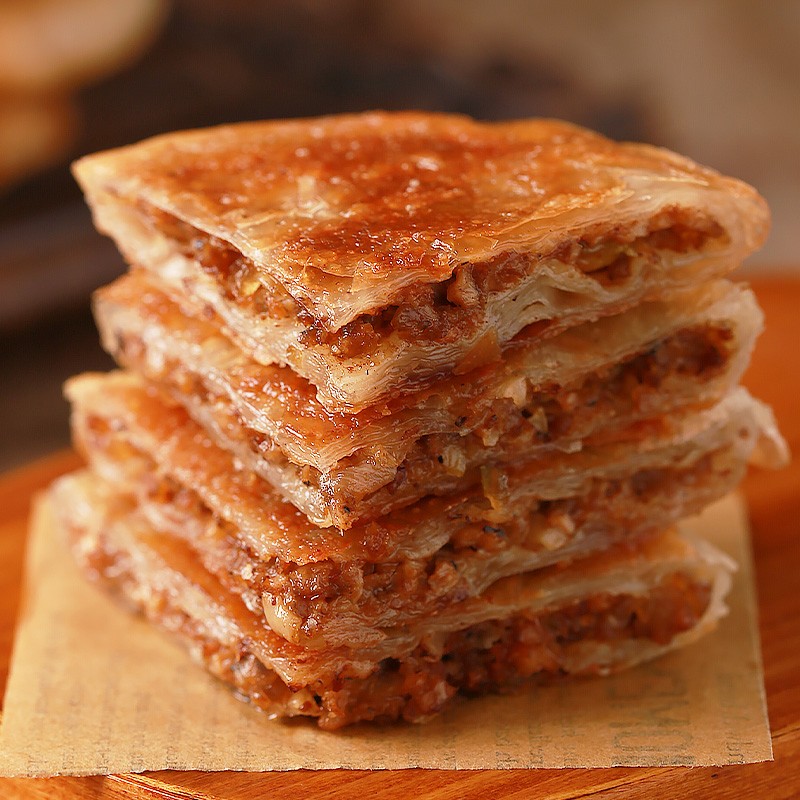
(35, 132)
(34, 364)
(241, 60)
(51, 260)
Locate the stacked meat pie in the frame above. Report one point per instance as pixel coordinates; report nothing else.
(412, 405)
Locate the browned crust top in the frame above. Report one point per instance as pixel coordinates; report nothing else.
(368, 195)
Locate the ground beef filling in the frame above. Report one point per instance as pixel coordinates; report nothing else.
(424, 583)
(492, 656)
(312, 593)
(696, 353)
(412, 588)
(500, 655)
(439, 312)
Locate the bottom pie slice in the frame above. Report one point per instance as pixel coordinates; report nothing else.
(593, 616)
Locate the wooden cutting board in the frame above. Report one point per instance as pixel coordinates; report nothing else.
(774, 502)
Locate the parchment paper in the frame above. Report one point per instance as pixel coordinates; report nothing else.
(93, 690)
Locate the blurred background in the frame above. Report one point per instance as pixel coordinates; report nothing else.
(716, 80)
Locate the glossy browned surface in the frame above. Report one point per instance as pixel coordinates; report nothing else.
(774, 501)
(377, 194)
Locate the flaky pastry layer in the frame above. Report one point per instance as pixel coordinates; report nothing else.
(375, 253)
(596, 616)
(592, 381)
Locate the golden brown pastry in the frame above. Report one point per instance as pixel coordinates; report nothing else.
(375, 253)
(332, 586)
(601, 614)
(595, 380)
(413, 405)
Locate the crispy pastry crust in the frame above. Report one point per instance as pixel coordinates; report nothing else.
(376, 253)
(593, 380)
(399, 199)
(119, 406)
(413, 403)
(603, 614)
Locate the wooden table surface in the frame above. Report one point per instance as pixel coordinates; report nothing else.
(774, 501)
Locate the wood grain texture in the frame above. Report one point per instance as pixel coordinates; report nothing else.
(774, 501)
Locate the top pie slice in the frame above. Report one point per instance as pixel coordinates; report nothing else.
(375, 253)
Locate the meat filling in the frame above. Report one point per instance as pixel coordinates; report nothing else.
(395, 590)
(441, 312)
(497, 655)
(510, 427)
